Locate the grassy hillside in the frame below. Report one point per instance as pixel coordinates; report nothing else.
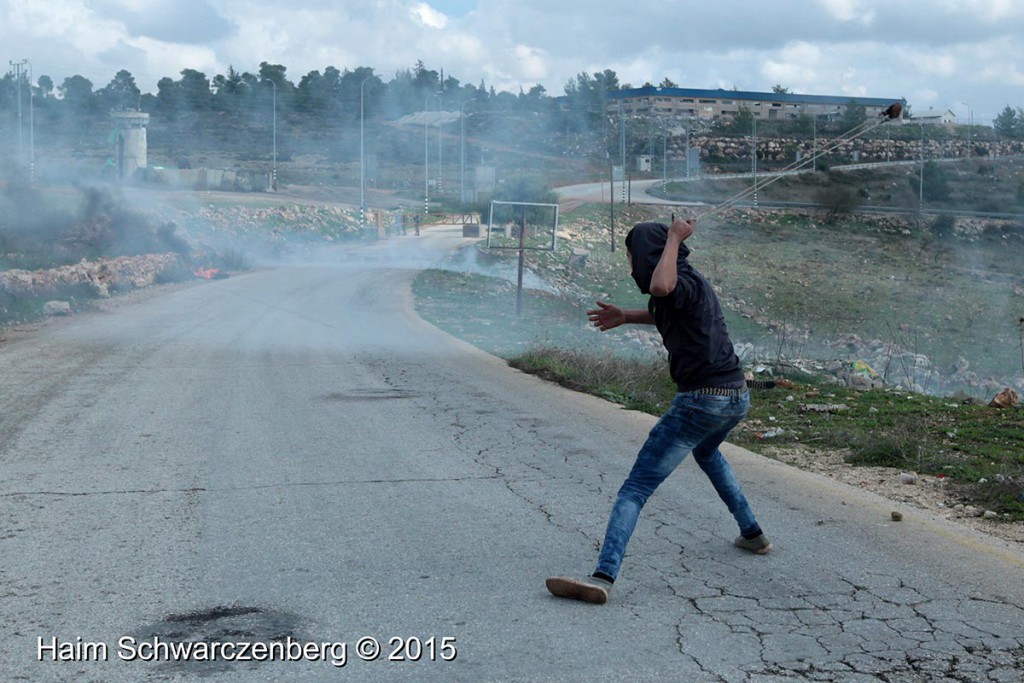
(811, 301)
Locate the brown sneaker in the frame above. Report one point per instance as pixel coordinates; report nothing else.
(759, 545)
(590, 589)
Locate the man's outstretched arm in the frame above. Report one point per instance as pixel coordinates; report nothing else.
(608, 316)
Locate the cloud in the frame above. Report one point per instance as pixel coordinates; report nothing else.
(173, 21)
(959, 49)
(429, 16)
(531, 62)
(850, 11)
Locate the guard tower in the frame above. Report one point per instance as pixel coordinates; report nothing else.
(130, 139)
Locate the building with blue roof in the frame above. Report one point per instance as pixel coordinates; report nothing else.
(710, 104)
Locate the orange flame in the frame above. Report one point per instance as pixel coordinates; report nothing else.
(206, 273)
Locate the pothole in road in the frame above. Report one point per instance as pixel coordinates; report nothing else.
(217, 639)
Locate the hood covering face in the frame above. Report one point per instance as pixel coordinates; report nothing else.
(646, 242)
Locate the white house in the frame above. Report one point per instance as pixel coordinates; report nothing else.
(934, 116)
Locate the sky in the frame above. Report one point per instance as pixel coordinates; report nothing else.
(966, 56)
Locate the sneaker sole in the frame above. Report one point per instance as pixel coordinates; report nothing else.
(576, 590)
(757, 551)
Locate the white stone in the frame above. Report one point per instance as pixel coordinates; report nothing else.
(56, 308)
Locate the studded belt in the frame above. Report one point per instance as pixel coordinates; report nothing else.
(717, 391)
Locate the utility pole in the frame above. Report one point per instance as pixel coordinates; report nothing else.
(753, 154)
(920, 178)
(462, 151)
(18, 67)
(362, 158)
(814, 146)
(440, 140)
(31, 127)
(970, 125)
(687, 148)
(611, 196)
(426, 150)
(664, 157)
(273, 168)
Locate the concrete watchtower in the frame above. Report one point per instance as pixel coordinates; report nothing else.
(131, 141)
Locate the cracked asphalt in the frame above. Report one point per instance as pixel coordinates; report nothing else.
(292, 454)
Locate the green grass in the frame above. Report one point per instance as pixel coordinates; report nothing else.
(991, 185)
(635, 383)
(979, 450)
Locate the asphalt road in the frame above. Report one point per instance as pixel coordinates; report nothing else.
(292, 456)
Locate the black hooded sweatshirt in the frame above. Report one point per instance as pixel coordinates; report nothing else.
(690, 320)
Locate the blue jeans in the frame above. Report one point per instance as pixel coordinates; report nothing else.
(694, 422)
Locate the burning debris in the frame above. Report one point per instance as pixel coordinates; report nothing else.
(210, 274)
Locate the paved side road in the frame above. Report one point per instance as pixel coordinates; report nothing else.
(291, 459)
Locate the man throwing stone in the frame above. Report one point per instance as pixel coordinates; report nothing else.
(712, 397)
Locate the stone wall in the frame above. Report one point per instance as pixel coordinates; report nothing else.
(873, 149)
(102, 275)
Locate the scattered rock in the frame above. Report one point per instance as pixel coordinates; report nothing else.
(578, 258)
(897, 516)
(823, 408)
(1007, 398)
(989, 514)
(908, 478)
(56, 308)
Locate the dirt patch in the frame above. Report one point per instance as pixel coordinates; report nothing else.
(925, 492)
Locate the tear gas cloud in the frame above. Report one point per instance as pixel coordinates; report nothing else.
(72, 202)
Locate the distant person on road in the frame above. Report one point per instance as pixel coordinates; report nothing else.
(416, 223)
(712, 397)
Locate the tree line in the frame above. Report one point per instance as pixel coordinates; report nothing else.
(331, 93)
(341, 96)
(324, 107)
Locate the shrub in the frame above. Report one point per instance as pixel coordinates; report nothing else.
(943, 225)
(837, 201)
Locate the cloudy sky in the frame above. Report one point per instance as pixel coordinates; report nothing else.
(962, 55)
